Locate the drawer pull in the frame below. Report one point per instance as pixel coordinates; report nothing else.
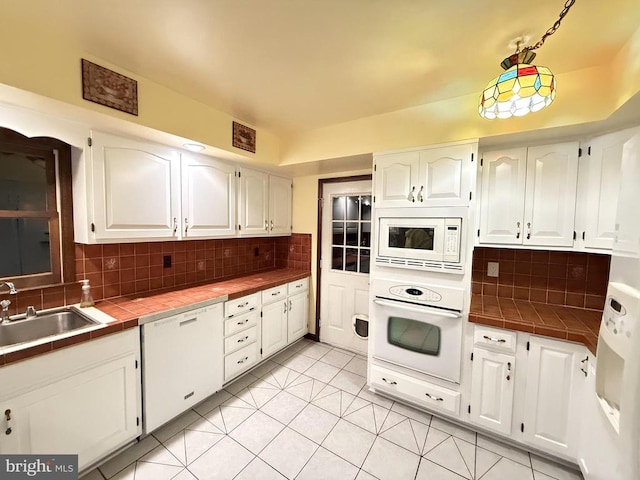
(246, 320)
(493, 339)
(242, 360)
(390, 382)
(190, 320)
(433, 397)
(275, 293)
(246, 337)
(242, 305)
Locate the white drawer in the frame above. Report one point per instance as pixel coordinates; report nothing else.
(242, 305)
(237, 362)
(497, 339)
(239, 340)
(240, 322)
(298, 286)
(274, 294)
(421, 392)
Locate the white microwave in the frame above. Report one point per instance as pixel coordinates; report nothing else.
(426, 243)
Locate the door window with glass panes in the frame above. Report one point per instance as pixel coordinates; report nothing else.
(351, 233)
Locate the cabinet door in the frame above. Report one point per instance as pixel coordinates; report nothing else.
(135, 189)
(396, 177)
(599, 197)
(274, 327)
(554, 384)
(502, 196)
(253, 208)
(297, 316)
(90, 413)
(208, 197)
(492, 387)
(445, 176)
(279, 205)
(550, 201)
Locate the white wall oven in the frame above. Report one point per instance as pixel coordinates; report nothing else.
(418, 327)
(423, 242)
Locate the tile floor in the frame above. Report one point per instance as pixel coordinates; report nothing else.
(307, 414)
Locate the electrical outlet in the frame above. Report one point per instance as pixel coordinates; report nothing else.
(492, 269)
(166, 261)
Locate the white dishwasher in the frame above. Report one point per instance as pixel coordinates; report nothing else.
(182, 359)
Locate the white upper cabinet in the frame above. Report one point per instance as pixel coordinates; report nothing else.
(428, 177)
(598, 189)
(264, 204)
(279, 205)
(136, 189)
(529, 201)
(208, 197)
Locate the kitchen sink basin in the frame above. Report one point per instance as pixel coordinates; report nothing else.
(43, 325)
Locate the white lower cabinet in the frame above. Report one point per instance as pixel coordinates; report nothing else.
(182, 362)
(274, 327)
(83, 399)
(297, 316)
(242, 332)
(492, 387)
(554, 392)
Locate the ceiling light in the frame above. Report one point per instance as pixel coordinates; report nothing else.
(523, 87)
(194, 147)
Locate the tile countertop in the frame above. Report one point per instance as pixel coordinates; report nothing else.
(132, 310)
(566, 323)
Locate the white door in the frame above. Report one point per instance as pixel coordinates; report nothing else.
(553, 398)
(345, 257)
(396, 177)
(208, 197)
(274, 327)
(492, 384)
(253, 203)
(550, 200)
(279, 205)
(136, 189)
(502, 196)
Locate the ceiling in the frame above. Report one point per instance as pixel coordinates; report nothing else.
(295, 65)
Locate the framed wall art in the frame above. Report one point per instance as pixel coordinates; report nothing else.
(244, 137)
(109, 88)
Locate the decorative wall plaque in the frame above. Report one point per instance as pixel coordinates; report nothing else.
(244, 137)
(109, 88)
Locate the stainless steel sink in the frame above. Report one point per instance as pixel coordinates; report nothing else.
(43, 325)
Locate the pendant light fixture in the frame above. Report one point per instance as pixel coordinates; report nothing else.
(523, 87)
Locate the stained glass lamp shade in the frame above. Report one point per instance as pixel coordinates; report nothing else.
(521, 89)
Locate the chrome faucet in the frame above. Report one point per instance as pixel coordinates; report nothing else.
(5, 303)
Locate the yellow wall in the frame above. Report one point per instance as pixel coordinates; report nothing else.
(52, 69)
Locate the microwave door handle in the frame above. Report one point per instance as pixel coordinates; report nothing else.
(417, 309)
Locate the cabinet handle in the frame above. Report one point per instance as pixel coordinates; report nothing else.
(493, 339)
(390, 382)
(241, 340)
(517, 229)
(433, 397)
(275, 293)
(420, 196)
(585, 359)
(509, 370)
(242, 360)
(7, 416)
(242, 305)
(410, 197)
(175, 225)
(528, 230)
(186, 225)
(272, 225)
(285, 306)
(266, 226)
(246, 320)
(583, 371)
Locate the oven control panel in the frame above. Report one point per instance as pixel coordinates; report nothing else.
(420, 294)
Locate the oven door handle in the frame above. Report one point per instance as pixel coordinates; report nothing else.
(417, 309)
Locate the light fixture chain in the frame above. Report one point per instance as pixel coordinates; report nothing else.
(567, 5)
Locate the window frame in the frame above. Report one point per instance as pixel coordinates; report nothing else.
(57, 154)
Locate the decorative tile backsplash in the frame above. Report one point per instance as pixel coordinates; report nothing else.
(559, 278)
(136, 268)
